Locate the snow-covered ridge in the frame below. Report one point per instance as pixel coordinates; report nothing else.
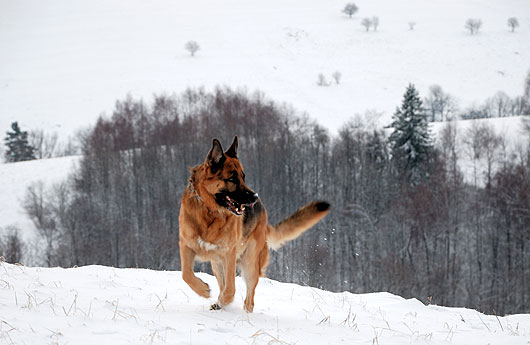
(97, 304)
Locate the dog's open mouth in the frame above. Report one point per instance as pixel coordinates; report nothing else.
(235, 207)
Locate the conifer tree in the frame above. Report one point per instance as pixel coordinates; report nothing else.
(18, 147)
(410, 142)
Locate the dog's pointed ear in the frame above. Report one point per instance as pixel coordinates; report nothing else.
(216, 156)
(232, 150)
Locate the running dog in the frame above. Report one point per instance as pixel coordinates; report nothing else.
(223, 221)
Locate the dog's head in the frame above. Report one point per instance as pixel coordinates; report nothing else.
(225, 179)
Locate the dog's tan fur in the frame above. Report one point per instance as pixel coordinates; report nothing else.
(211, 232)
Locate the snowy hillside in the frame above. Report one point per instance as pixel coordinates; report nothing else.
(64, 62)
(15, 178)
(96, 304)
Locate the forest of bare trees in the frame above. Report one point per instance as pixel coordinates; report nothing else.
(440, 240)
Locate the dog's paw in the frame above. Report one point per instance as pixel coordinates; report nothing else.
(204, 291)
(249, 306)
(201, 288)
(215, 306)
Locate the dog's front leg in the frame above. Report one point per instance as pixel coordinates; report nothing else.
(226, 295)
(187, 258)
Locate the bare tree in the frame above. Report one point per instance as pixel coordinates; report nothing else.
(192, 47)
(350, 9)
(500, 105)
(473, 25)
(367, 23)
(38, 210)
(337, 76)
(375, 22)
(44, 144)
(513, 23)
(439, 105)
(321, 80)
(412, 25)
(483, 143)
(11, 246)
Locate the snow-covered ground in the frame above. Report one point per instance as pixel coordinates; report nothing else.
(64, 62)
(103, 305)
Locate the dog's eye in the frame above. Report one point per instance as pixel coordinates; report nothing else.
(231, 180)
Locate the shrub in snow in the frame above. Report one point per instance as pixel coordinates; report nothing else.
(350, 9)
(337, 77)
(321, 80)
(513, 23)
(473, 25)
(192, 47)
(367, 23)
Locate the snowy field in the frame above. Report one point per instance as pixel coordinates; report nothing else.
(62, 62)
(102, 305)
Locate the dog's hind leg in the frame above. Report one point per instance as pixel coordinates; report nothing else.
(187, 258)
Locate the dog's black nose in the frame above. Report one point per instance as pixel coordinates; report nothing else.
(252, 198)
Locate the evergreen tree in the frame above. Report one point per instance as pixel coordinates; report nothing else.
(410, 142)
(18, 147)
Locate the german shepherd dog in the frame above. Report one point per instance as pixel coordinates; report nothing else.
(223, 221)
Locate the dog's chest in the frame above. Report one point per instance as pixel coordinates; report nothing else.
(219, 235)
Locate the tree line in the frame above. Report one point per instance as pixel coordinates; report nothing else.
(403, 219)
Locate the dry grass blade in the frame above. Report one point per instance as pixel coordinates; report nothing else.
(116, 310)
(160, 304)
(502, 328)
(324, 320)
(483, 322)
(273, 339)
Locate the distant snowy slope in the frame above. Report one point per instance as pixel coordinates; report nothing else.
(102, 305)
(15, 178)
(64, 62)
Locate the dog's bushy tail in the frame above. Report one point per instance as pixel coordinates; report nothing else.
(296, 224)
